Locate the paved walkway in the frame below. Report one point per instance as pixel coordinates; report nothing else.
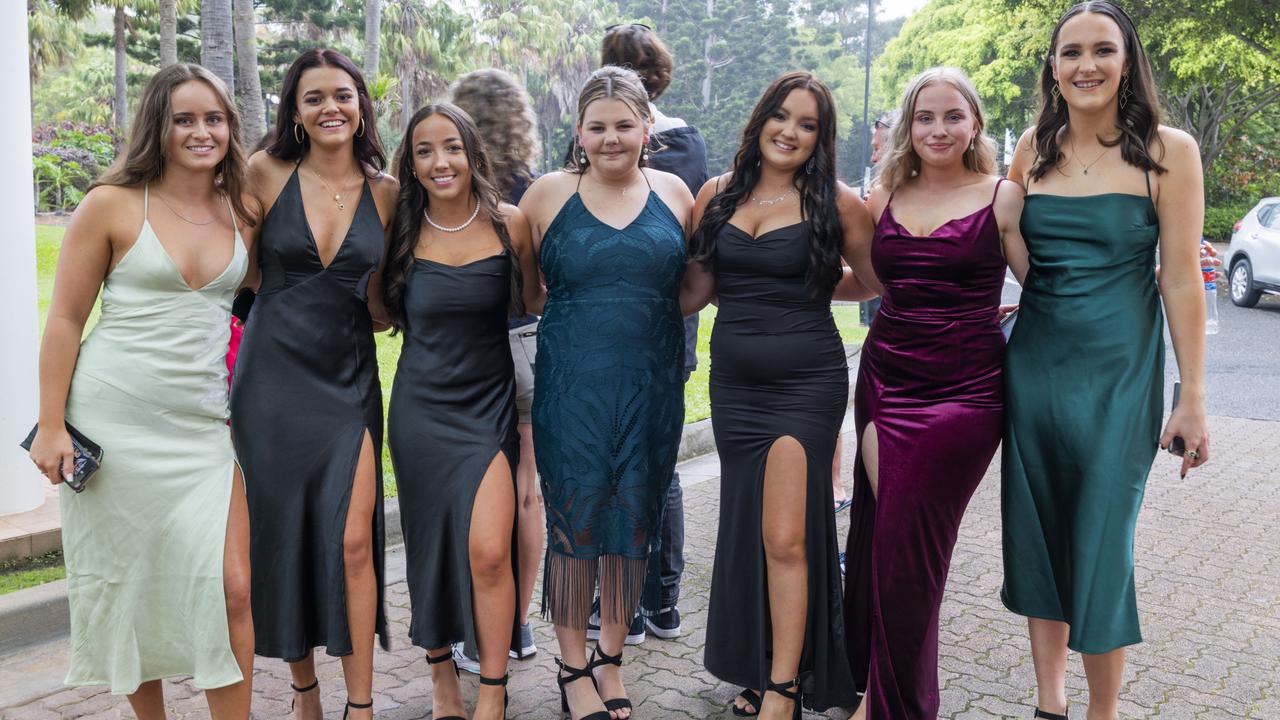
(1209, 588)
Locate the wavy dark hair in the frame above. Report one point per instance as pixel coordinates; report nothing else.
(413, 201)
(1138, 120)
(368, 149)
(634, 46)
(817, 189)
(143, 160)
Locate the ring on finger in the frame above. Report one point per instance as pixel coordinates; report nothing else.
(1193, 454)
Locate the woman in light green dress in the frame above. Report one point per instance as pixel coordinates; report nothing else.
(1107, 186)
(156, 545)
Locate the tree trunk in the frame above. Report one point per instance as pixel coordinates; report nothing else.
(216, 45)
(706, 56)
(372, 37)
(249, 95)
(168, 32)
(122, 90)
(406, 93)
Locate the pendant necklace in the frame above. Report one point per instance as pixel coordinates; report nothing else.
(1078, 160)
(336, 197)
(459, 228)
(768, 203)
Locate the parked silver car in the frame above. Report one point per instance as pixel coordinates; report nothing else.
(1253, 258)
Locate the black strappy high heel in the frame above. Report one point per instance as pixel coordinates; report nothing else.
(314, 684)
(502, 681)
(447, 657)
(599, 658)
(357, 706)
(784, 689)
(1049, 716)
(567, 674)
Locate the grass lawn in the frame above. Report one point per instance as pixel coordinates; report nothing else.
(30, 572)
(697, 402)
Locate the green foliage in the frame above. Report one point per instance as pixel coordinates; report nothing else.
(1219, 219)
(29, 572)
(55, 180)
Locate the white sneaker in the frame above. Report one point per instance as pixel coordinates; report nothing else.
(464, 661)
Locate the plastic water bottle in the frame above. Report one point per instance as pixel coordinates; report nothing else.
(1210, 276)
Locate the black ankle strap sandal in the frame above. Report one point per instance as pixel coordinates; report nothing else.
(600, 658)
(501, 682)
(447, 657)
(314, 684)
(568, 674)
(784, 689)
(356, 706)
(1049, 716)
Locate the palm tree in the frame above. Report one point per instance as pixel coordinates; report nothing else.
(77, 9)
(428, 45)
(216, 45)
(53, 37)
(249, 96)
(372, 36)
(168, 32)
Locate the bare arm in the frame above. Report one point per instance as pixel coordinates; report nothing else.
(386, 192)
(699, 284)
(83, 264)
(1008, 207)
(860, 282)
(1024, 156)
(1180, 207)
(533, 291)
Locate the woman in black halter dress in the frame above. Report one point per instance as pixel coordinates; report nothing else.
(306, 406)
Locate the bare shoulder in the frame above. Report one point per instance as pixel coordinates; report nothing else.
(111, 205)
(549, 191)
(877, 200)
(1008, 202)
(265, 166)
(1027, 140)
(1179, 147)
(513, 216)
(849, 205)
(385, 188)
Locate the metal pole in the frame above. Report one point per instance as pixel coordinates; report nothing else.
(866, 88)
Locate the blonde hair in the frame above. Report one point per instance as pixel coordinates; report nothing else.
(143, 162)
(502, 113)
(610, 83)
(900, 162)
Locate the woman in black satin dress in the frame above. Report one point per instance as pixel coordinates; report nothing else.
(769, 241)
(453, 280)
(306, 406)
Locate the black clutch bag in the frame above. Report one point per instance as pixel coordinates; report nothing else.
(88, 456)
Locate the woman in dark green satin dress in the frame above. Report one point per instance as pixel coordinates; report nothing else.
(1106, 186)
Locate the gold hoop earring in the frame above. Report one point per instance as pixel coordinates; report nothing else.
(1057, 94)
(360, 130)
(297, 133)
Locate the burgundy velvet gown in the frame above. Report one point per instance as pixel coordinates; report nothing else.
(930, 383)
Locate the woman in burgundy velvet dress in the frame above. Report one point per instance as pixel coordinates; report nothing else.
(928, 400)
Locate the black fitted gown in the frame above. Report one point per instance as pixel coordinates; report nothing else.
(777, 369)
(304, 393)
(452, 412)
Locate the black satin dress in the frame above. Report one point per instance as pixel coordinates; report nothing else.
(304, 393)
(452, 411)
(777, 369)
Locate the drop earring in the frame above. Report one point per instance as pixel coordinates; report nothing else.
(808, 166)
(1056, 95)
(1126, 92)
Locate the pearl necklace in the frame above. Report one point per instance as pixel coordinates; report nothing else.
(459, 228)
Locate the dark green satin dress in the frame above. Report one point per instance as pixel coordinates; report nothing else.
(1084, 379)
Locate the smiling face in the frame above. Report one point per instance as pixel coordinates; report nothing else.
(789, 136)
(1089, 61)
(613, 135)
(199, 131)
(942, 125)
(440, 159)
(328, 106)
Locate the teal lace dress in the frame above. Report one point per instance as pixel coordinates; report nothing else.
(608, 407)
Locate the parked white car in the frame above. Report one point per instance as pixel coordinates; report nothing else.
(1253, 258)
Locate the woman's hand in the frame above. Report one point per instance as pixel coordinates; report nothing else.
(1004, 311)
(1189, 421)
(51, 451)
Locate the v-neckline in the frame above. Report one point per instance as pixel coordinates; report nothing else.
(177, 271)
(306, 221)
(624, 228)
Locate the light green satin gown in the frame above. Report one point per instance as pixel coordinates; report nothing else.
(1084, 376)
(143, 543)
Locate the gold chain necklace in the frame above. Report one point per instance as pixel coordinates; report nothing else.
(1078, 160)
(184, 218)
(336, 197)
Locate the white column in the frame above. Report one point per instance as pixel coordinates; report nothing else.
(21, 487)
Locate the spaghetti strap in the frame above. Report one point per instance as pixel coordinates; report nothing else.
(578, 187)
(996, 192)
(1147, 175)
(146, 199)
(646, 179)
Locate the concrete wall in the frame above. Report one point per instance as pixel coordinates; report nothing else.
(21, 486)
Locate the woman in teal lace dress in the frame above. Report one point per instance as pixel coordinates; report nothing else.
(608, 405)
(1107, 186)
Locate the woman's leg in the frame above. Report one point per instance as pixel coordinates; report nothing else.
(532, 522)
(1105, 674)
(233, 701)
(613, 636)
(446, 692)
(306, 705)
(493, 586)
(148, 701)
(870, 443)
(783, 530)
(361, 582)
(1049, 656)
(583, 698)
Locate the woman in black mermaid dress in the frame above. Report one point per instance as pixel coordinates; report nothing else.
(769, 241)
(452, 283)
(306, 406)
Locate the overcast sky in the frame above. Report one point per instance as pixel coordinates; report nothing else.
(889, 9)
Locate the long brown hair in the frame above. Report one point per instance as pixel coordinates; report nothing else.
(817, 188)
(143, 161)
(285, 145)
(1138, 120)
(502, 111)
(413, 201)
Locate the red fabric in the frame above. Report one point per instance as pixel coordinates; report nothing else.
(233, 347)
